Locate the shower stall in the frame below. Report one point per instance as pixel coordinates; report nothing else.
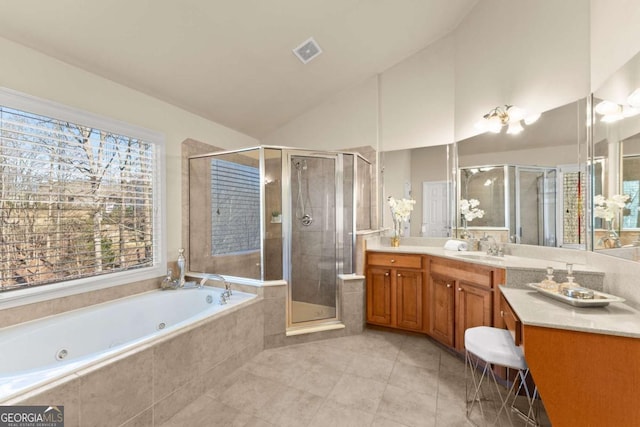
(275, 213)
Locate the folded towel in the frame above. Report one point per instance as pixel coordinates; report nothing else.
(456, 245)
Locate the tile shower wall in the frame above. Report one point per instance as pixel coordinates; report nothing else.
(314, 246)
(352, 313)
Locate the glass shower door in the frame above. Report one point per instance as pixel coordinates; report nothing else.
(535, 205)
(313, 268)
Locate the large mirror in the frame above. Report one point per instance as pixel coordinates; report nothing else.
(529, 185)
(616, 163)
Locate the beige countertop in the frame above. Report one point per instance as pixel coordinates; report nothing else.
(508, 261)
(535, 309)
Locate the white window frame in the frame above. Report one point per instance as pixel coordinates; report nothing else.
(31, 104)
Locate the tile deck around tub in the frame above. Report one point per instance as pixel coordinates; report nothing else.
(375, 379)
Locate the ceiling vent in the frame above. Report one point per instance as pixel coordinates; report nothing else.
(308, 50)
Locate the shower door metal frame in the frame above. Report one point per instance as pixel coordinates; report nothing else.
(287, 157)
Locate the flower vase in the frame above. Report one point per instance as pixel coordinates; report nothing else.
(611, 239)
(395, 239)
(464, 234)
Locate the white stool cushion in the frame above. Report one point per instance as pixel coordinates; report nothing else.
(494, 345)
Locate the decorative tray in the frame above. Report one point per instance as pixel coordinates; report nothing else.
(600, 299)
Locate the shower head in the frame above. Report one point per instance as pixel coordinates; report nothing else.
(300, 165)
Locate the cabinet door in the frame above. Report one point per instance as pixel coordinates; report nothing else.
(473, 308)
(441, 297)
(409, 299)
(379, 296)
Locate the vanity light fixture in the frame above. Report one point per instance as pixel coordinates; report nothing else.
(612, 112)
(509, 115)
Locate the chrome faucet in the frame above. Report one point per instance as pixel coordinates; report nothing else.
(494, 248)
(169, 282)
(227, 287)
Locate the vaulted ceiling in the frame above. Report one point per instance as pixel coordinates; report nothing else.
(231, 61)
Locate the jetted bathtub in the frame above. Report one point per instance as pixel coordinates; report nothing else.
(35, 353)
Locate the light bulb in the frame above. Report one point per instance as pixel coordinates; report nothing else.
(481, 125)
(494, 124)
(607, 108)
(634, 98)
(515, 128)
(515, 113)
(531, 118)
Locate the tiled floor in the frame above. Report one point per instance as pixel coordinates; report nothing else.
(374, 379)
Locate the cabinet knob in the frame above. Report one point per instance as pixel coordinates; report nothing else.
(386, 274)
(392, 261)
(448, 285)
(399, 275)
(501, 313)
(459, 289)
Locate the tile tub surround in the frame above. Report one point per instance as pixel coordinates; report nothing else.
(160, 378)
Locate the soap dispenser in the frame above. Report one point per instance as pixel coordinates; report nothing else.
(548, 283)
(569, 284)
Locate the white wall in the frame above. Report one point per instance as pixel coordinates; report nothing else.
(32, 73)
(347, 120)
(615, 37)
(533, 54)
(417, 99)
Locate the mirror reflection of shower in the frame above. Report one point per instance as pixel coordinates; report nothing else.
(303, 209)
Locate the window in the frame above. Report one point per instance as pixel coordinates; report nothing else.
(76, 200)
(235, 210)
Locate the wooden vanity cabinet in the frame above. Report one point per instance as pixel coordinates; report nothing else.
(461, 295)
(511, 321)
(396, 290)
(437, 296)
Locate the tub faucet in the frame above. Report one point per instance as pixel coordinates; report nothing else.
(169, 282)
(227, 287)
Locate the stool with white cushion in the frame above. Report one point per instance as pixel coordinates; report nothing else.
(486, 346)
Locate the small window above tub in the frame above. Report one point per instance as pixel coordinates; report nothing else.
(79, 196)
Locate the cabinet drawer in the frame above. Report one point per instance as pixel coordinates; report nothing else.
(511, 320)
(467, 272)
(394, 260)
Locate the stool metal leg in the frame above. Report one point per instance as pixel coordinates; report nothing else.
(479, 373)
(532, 415)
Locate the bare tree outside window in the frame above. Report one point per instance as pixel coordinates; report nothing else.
(75, 201)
